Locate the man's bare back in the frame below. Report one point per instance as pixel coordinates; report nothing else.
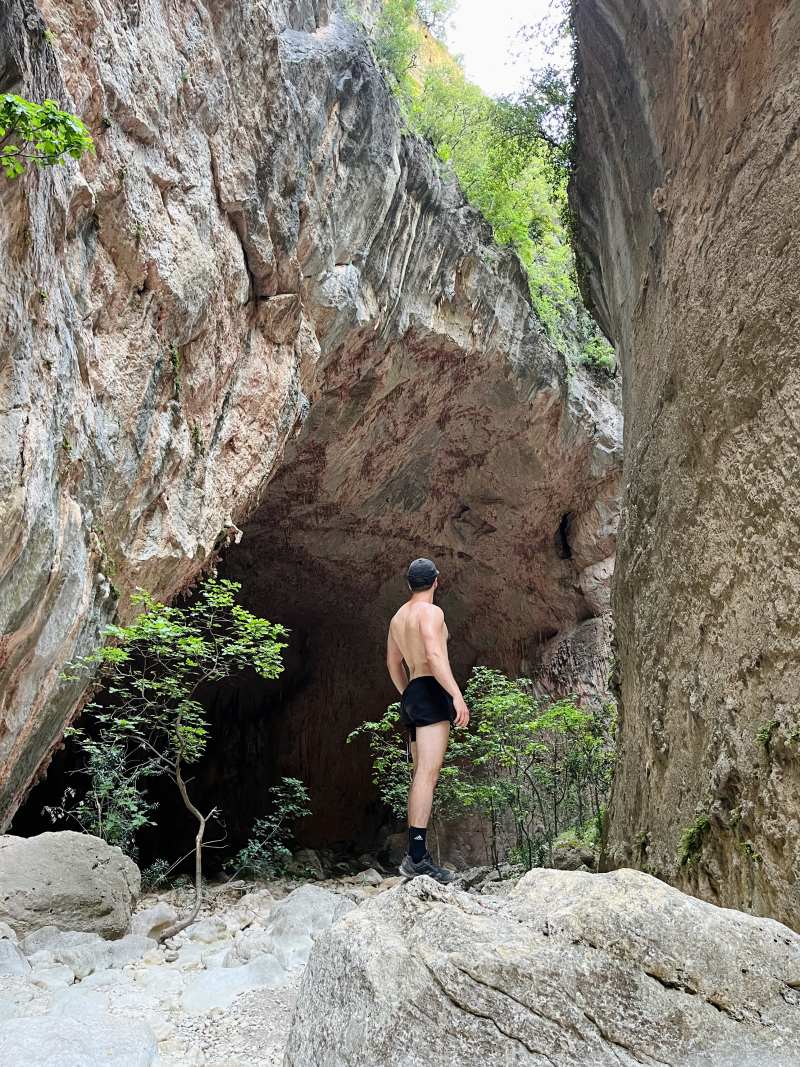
(406, 629)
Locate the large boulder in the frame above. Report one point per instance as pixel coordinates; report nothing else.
(568, 969)
(68, 880)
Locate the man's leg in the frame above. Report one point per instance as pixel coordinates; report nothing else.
(430, 746)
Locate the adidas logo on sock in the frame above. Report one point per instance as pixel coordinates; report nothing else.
(418, 837)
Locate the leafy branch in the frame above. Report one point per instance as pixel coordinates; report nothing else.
(39, 134)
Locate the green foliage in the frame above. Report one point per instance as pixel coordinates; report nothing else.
(113, 806)
(748, 850)
(397, 40)
(175, 361)
(155, 666)
(267, 852)
(765, 732)
(527, 768)
(155, 875)
(511, 158)
(691, 840)
(38, 134)
(154, 669)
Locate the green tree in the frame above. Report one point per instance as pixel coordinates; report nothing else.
(153, 672)
(38, 134)
(512, 158)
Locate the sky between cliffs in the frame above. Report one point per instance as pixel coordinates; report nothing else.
(486, 36)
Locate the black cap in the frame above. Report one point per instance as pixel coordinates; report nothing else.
(422, 573)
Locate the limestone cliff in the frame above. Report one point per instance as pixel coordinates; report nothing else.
(256, 256)
(686, 195)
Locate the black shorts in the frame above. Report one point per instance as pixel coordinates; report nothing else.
(424, 702)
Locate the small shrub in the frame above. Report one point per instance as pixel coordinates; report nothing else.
(154, 877)
(113, 806)
(765, 732)
(267, 853)
(690, 844)
(748, 850)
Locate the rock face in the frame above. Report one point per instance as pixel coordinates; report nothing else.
(569, 969)
(256, 256)
(67, 880)
(688, 129)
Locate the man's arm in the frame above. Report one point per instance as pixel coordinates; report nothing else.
(432, 631)
(394, 661)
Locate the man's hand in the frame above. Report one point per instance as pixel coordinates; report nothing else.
(462, 711)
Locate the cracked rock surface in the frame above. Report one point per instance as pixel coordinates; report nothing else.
(565, 970)
(685, 191)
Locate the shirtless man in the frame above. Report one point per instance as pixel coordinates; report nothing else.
(430, 701)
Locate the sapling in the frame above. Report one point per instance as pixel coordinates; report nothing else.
(153, 671)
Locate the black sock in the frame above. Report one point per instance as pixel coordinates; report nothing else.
(416, 843)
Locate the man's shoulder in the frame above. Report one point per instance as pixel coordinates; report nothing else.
(431, 611)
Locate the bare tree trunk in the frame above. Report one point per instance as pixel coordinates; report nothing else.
(181, 924)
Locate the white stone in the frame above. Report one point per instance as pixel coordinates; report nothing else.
(292, 950)
(152, 921)
(218, 988)
(369, 877)
(208, 930)
(54, 976)
(308, 910)
(82, 951)
(252, 942)
(7, 934)
(80, 1002)
(12, 962)
(254, 906)
(51, 1041)
(132, 947)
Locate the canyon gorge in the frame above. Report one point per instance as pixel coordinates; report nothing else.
(260, 332)
(269, 316)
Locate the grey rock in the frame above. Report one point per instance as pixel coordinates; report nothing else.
(218, 988)
(306, 862)
(130, 948)
(368, 877)
(568, 969)
(52, 976)
(573, 858)
(307, 911)
(82, 952)
(12, 962)
(102, 1041)
(685, 203)
(207, 930)
(474, 876)
(150, 922)
(68, 880)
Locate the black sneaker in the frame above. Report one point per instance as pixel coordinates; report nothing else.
(409, 869)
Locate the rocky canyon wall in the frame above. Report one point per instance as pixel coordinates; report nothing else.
(686, 197)
(260, 306)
